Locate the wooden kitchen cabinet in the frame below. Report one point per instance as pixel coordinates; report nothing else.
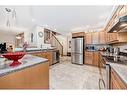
(116, 81)
(92, 58)
(95, 38)
(113, 37)
(88, 38)
(116, 37)
(78, 34)
(34, 77)
(102, 37)
(88, 57)
(48, 55)
(96, 58)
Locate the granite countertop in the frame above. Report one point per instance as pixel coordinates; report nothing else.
(27, 61)
(121, 69)
(49, 50)
(34, 49)
(91, 50)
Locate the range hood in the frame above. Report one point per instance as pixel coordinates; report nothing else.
(120, 25)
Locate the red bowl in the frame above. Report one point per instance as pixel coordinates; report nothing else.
(15, 56)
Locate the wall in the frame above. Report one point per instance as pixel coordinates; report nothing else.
(69, 38)
(8, 38)
(63, 41)
(122, 46)
(37, 41)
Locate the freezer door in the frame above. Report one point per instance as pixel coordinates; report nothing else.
(79, 45)
(77, 58)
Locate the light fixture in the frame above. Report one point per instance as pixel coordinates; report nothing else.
(18, 37)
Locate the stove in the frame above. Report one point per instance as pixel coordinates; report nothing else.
(117, 59)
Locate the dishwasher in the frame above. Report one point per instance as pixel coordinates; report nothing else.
(55, 56)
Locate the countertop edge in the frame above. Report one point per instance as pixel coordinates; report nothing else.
(23, 67)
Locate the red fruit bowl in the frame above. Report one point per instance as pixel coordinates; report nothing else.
(15, 56)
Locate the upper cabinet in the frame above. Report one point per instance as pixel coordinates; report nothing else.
(88, 38)
(116, 37)
(102, 37)
(95, 38)
(78, 34)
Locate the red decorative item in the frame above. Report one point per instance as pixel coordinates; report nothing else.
(15, 56)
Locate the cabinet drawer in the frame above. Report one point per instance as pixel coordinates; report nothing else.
(88, 53)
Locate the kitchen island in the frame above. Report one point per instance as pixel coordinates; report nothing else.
(33, 73)
(52, 54)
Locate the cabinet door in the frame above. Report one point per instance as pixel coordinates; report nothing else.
(88, 57)
(49, 57)
(116, 82)
(113, 37)
(95, 58)
(102, 37)
(88, 38)
(95, 38)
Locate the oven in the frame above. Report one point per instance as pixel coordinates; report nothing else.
(104, 71)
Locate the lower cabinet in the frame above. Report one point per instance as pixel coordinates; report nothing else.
(92, 58)
(88, 57)
(116, 81)
(34, 77)
(47, 55)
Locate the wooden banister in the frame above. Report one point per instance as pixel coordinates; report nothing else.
(58, 42)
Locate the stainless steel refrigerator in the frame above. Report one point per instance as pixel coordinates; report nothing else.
(77, 50)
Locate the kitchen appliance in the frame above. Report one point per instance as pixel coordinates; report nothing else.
(117, 59)
(77, 50)
(15, 56)
(104, 70)
(116, 51)
(110, 49)
(120, 25)
(55, 56)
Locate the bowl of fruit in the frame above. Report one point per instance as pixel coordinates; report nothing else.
(15, 56)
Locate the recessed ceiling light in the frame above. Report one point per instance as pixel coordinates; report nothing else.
(33, 20)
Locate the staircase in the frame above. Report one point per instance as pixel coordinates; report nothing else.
(53, 40)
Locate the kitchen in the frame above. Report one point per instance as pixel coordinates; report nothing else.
(90, 57)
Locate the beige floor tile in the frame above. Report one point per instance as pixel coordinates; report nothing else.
(65, 75)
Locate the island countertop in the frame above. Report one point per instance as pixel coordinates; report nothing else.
(121, 69)
(27, 61)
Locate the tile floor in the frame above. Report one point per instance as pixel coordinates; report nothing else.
(65, 75)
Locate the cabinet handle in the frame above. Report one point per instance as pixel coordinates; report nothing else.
(101, 81)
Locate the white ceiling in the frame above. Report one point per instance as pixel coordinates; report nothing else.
(62, 19)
